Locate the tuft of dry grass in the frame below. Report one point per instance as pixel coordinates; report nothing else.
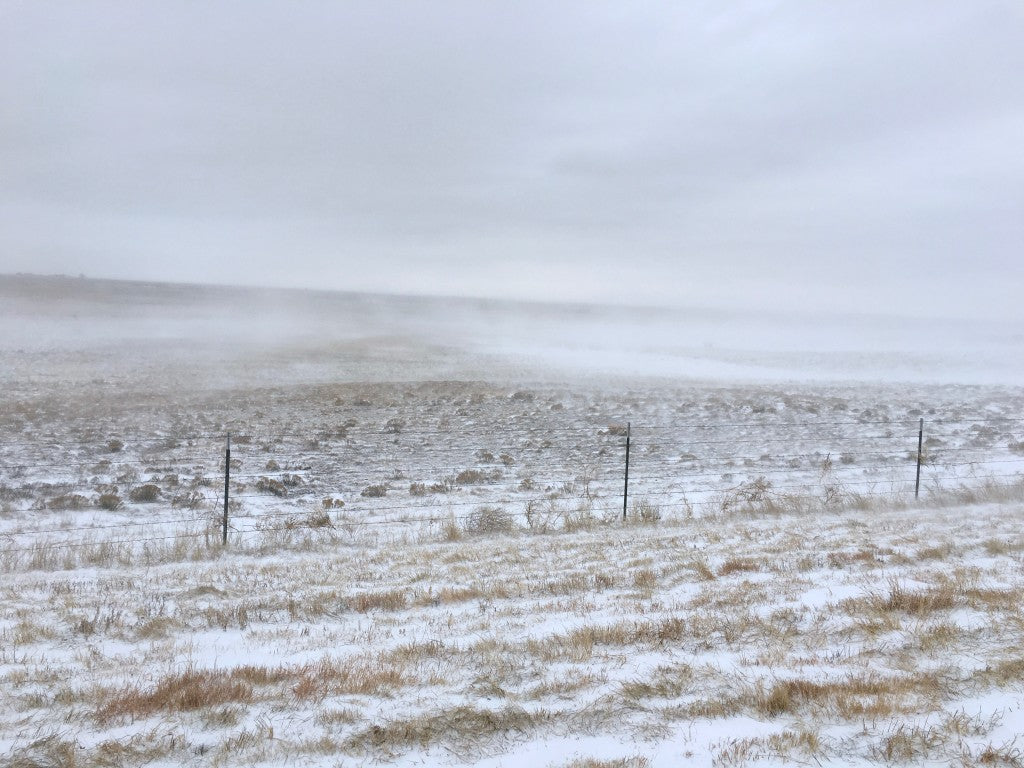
(917, 602)
(52, 751)
(667, 682)
(645, 579)
(182, 692)
(701, 569)
(644, 511)
(738, 565)
(458, 727)
(195, 689)
(385, 600)
(851, 697)
(579, 643)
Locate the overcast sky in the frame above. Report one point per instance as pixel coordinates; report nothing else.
(858, 155)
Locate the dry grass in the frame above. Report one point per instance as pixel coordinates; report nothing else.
(51, 751)
(451, 647)
(182, 692)
(917, 602)
(580, 643)
(851, 697)
(738, 565)
(195, 689)
(645, 579)
(666, 682)
(385, 600)
(488, 520)
(461, 728)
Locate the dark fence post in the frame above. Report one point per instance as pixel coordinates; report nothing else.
(920, 444)
(227, 480)
(625, 488)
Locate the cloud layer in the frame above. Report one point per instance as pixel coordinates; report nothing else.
(853, 155)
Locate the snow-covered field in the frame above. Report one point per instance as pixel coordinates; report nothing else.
(427, 560)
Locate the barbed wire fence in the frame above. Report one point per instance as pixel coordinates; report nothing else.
(220, 488)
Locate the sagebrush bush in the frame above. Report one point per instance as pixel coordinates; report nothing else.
(68, 501)
(189, 500)
(109, 501)
(488, 519)
(477, 476)
(272, 486)
(144, 494)
(470, 477)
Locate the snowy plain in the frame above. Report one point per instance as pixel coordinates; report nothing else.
(427, 561)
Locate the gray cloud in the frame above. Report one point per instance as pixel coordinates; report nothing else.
(853, 155)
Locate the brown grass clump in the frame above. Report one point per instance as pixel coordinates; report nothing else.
(917, 602)
(565, 686)
(388, 600)
(1004, 754)
(261, 675)
(851, 697)
(461, 727)
(643, 511)
(701, 569)
(317, 518)
(624, 762)
(738, 565)
(905, 743)
(579, 644)
(842, 559)
(207, 689)
(189, 690)
(645, 579)
(936, 552)
(450, 530)
(447, 595)
(1007, 671)
(667, 682)
(315, 681)
(49, 751)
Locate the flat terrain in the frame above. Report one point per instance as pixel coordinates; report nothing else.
(427, 559)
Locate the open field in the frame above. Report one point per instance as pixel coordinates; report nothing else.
(427, 561)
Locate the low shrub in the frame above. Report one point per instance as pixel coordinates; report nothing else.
(68, 501)
(271, 486)
(477, 476)
(109, 501)
(144, 494)
(487, 520)
(643, 511)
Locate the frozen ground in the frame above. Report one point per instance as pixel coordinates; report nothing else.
(427, 561)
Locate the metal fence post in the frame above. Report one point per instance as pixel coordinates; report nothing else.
(920, 444)
(625, 488)
(227, 480)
